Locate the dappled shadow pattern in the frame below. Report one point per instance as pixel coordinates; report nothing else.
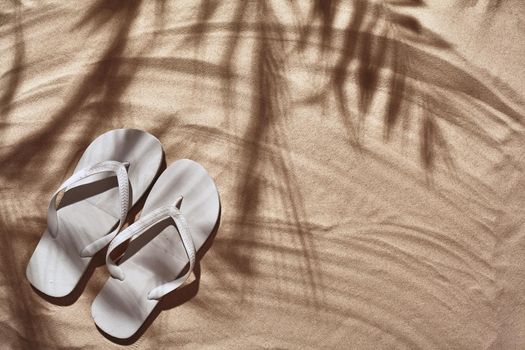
(106, 82)
(14, 75)
(373, 39)
(379, 52)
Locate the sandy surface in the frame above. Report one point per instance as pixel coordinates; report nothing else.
(369, 159)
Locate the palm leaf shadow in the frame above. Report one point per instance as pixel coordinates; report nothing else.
(391, 50)
(412, 70)
(106, 77)
(27, 313)
(28, 156)
(18, 302)
(262, 132)
(13, 75)
(266, 144)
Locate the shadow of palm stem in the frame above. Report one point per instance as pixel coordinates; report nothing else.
(322, 11)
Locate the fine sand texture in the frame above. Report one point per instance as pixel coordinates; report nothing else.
(369, 156)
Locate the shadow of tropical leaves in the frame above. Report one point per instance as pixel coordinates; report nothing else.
(381, 59)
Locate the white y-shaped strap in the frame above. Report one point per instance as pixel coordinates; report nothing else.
(120, 169)
(140, 227)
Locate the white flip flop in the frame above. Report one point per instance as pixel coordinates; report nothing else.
(93, 208)
(179, 215)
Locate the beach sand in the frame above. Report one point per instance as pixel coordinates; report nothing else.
(369, 157)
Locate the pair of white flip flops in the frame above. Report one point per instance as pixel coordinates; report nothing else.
(178, 216)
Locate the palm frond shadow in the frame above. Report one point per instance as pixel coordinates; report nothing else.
(366, 54)
(264, 129)
(30, 154)
(14, 75)
(412, 78)
(105, 81)
(206, 10)
(384, 56)
(33, 330)
(19, 303)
